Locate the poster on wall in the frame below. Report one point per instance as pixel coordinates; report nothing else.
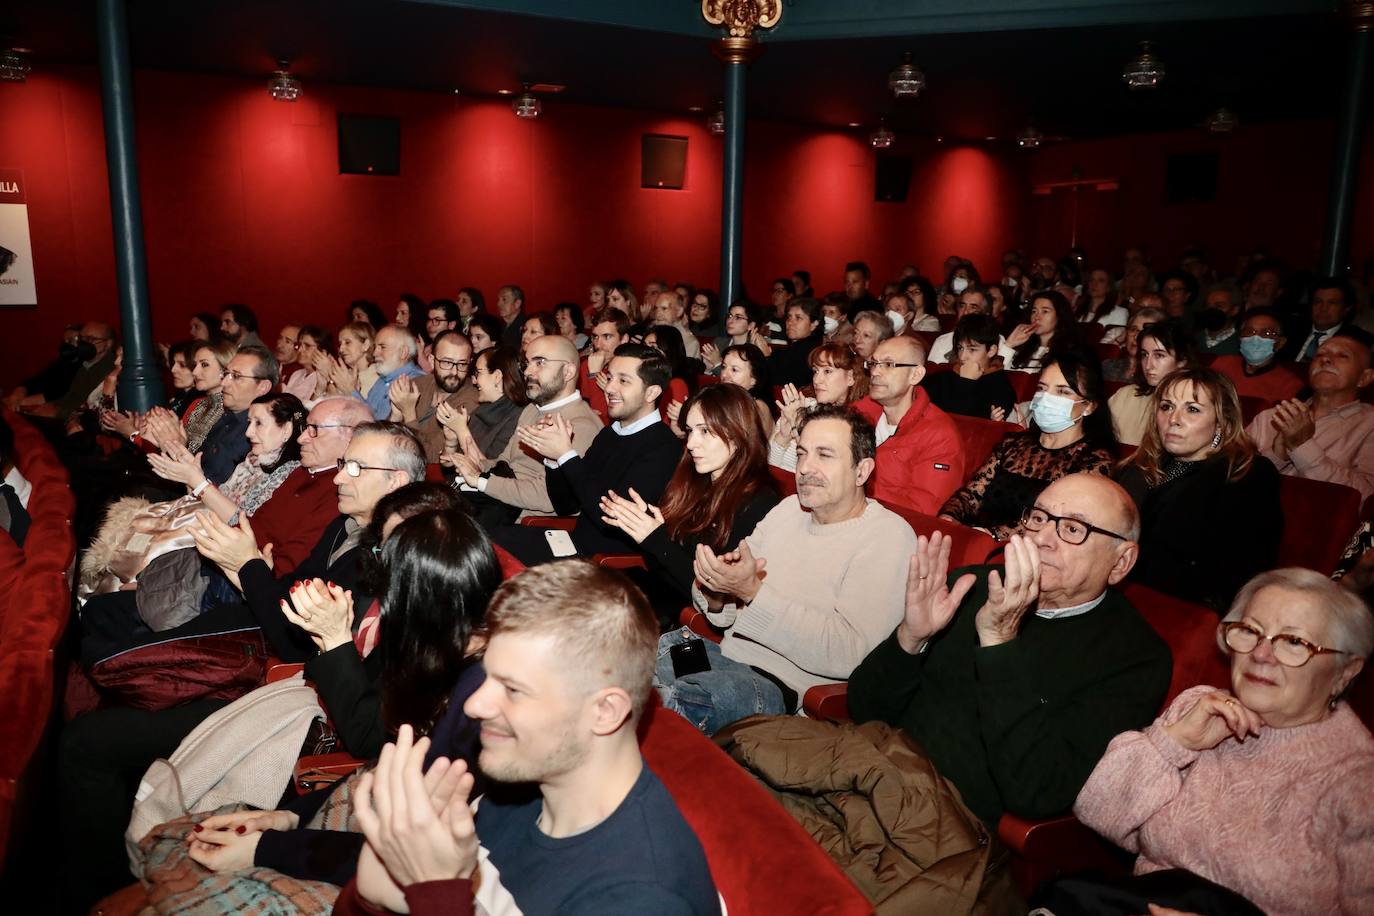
(16, 254)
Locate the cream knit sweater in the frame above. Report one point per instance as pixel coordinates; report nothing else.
(1285, 819)
(830, 594)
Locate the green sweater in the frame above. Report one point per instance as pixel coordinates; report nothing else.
(1019, 727)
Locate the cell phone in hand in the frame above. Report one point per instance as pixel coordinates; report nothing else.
(689, 657)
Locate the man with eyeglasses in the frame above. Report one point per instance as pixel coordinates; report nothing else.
(1257, 371)
(239, 324)
(250, 374)
(393, 356)
(920, 454)
(1014, 680)
(415, 401)
(511, 485)
(95, 348)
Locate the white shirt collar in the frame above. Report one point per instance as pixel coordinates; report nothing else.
(643, 423)
(1061, 612)
(22, 488)
(561, 402)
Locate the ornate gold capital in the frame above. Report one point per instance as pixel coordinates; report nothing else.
(735, 50)
(741, 17)
(1361, 16)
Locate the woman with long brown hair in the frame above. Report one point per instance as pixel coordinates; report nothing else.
(1209, 503)
(719, 492)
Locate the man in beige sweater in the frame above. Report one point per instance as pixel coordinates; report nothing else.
(807, 596)
(511, 485)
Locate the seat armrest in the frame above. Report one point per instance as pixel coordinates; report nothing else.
(318, 770)
(278, 670)
(696, 621)
(560, 522)
(827, 702)
(619, 561)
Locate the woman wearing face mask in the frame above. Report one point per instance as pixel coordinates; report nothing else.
(961, 276)
(741, 320)
(1051, 326)
(1069, 433)
(719, 492)
(1161, 348)
(837, 377)
(973, 388)
(1122, 368)
(1209, 504)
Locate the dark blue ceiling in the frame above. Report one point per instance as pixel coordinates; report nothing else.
(993, 66)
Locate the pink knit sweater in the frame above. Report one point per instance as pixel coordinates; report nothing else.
(1285, 819)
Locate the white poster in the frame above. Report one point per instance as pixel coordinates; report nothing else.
(16, 253)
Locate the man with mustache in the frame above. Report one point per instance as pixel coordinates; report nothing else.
(805, 597)
(1331, 435)
(415, 400)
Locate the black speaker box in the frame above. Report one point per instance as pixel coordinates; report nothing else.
(892, 179)
(662, 161)
(369, 145)
(1191, 177)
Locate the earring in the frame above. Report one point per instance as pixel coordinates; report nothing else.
(1216, 440)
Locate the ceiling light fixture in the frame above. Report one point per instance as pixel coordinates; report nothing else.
(907, 81)
(716, 122)
(527, 105)
(1030, 138)
(1222, 121)
(14, 66)
(1144, 71)
(882, 137)
(283, 86)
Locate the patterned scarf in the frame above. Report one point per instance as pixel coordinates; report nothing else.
(249, 486)
(202, 419)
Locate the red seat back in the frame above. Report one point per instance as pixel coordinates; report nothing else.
(1251, 406)
(979, 436)
(1090, 332)
(970, 548)
(1319, 518)
(1023, 383)
(1191, 632)
(786, 481)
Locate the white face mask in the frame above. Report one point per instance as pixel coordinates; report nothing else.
(959, 284)
(898, 321)
(830, 324)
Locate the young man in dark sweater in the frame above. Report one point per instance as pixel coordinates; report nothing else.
(1014, 682)
(636, 452)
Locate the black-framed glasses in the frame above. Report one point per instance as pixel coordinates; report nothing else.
(887, 365)
(355, 468)
(1070, 530)
(1290, 650)
(314, 428)
(235, 375)
(448, 365)
(539, 362)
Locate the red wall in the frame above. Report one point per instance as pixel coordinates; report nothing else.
(1273, 182)
(242, 202)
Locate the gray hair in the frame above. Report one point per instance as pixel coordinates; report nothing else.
(404, 451)
(881, 325)
(402, 334)
(1151, 314)
(1350, 625)
(267, 363)
(351, 411)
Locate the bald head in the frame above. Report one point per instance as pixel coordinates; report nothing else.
(1073, 574)
(668, 308)
(328, 430)
(556, 378)
(896, 368)
(1104, 502)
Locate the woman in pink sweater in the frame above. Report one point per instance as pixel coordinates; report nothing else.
(1263, 789)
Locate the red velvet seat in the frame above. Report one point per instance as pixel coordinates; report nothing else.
(1251, 406)
(1090, 332)
(1319, 518)
(979, 436)
(971, 547)
(786, 481)
(1023, 383)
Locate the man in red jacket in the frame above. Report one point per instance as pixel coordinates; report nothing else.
(920, 456)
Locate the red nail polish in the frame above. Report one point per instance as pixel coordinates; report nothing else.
(240, 829)
(197, 828)
(332, 585)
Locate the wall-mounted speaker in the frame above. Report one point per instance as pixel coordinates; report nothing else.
(369, 145)
(892, 179)
(662, 162)
(1191, 177)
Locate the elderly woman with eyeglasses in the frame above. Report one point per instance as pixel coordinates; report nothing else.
(1263, 789)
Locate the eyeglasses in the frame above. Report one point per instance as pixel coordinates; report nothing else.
(1289, 650)
(1270, 333)
(290, 340)
(448, 365)
(888, 365)
(355, 468)
(90, 339)
(1070, 530)
(237, 376)
(314, 428)
(539, 362)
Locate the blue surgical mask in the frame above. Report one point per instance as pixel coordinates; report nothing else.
(1257, 350)
(1052, 413)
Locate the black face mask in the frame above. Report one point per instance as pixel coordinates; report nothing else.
(69, 353)
(85, 351)
(1212, 320)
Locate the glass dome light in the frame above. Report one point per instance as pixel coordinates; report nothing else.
(1030, 138)
(283, 86)
(1145, 71)
(882, 137)
(907, 80)
(527, 105)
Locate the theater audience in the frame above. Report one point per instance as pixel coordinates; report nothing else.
(95, 351)
(510, 306)
(745, 365)
(1052, 326)
(837, 377)
(610, 329)
(536, 326)
(1161, 348)
(717, 496)
(415, 400)
(635, 454)
(1282, 734)
(671, 311)
(870, 329)
(831, 590)
(285, 349)
(602, 834)
(1069, 433)
(1209, 503)
(856, 280)
(204, 326)
(1330, 436)
(1099, 301)
(1218, 320)
(394, 359)
(921, 295)
(1332, 306)
(621, 295)
(442, 315)
(53, 380)
(568, 317)
(702, 317)
(365, 311)
(1013, 680)
(973, 388)
(471, 303)
(920, 457)
(972, 301)
(1257, 371)
(352, 372)
(502, 487)
(682, 380)
(500, 396)
(805, 331)
(1122, 368)
(238, 324)
(1179, 291)
(741, 321)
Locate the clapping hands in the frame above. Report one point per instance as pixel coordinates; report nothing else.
(323, 610)
(633, 516)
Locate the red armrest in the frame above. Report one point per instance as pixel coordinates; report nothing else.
(278, 670)
(619, 561)
(828, 702)
(560, 522)
(1046, 848)
(318, 770)
(696, 621)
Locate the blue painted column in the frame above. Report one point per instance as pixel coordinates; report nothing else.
(140, 381)
(1349, 131)
(737, 54)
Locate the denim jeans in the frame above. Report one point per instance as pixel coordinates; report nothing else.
(713, 699)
